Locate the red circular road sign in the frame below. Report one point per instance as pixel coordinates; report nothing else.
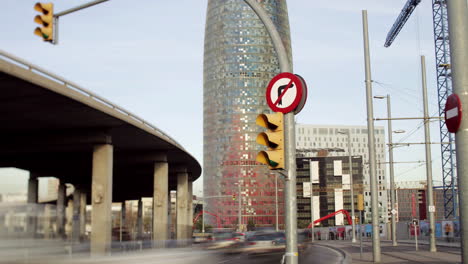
(453, 113)
(284, 92)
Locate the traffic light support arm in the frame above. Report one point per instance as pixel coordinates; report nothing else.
(68, 11)
(83, 6)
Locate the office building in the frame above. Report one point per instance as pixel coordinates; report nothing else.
(239, 61)
(331, 188)
(324, 140)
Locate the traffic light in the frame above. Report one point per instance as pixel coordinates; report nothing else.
(273, 139)
(360, 202)
(46, 32)
(233, 197)
(421, 196)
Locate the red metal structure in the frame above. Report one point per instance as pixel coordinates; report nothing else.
(218, 220)
(342, 211)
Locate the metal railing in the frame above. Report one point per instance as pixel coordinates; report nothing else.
(68, 84)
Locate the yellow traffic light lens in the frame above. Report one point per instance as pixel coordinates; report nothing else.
(43, 20)
(44, 7)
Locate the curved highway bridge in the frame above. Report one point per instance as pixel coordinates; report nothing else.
(52, 127)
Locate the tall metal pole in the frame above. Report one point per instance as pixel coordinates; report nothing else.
(392, 172)
(311, 204)
(290, 205)
(276, 201)
(203, 216)
(353, 217)
(458, 35)
(427, 136)
(371, 144)
(240, 207)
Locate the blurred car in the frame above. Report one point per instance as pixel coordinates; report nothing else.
(222, 239)
(201, 237)
(303, 240)
(239, 236)
(265, 242)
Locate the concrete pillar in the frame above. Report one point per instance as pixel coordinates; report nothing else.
(61, 197)
(190, 211)
(181, 206)
(101, 216)
(83, 203)
(76, 226)
(140, 220)
(32, 214)
(46, 222)
(160, 200)
(69, 220)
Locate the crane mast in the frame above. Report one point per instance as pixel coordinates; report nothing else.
(444, 89)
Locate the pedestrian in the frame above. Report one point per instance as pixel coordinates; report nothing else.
(448, 231)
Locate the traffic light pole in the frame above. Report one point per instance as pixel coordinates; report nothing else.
(291, 255)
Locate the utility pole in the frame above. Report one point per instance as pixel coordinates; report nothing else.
(458, 35)
(291, 255)
(371, 145)
(430, 196)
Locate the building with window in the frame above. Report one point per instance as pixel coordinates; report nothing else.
(331, 188)
(239, 61)
(411, 201)
(324, 140)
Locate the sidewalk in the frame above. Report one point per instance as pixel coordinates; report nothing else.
(438, 243)
(403, 253)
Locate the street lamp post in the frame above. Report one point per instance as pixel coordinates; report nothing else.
(276, 201)
(240, 206)
(392, 176)
(350, 162)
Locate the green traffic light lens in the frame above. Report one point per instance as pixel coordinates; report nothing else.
(272, 163)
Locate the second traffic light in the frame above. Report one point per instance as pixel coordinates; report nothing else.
(273, 138)
(46, 20)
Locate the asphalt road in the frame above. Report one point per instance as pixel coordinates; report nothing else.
(315, 254)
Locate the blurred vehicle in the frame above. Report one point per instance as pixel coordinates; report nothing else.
(303, 240)
(222, 239)
(265, 242)
(202, 237)
(239, 236)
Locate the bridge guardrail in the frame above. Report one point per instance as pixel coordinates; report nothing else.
(38, 70)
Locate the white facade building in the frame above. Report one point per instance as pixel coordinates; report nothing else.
(310, 139)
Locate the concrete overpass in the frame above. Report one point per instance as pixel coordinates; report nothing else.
(53, 127)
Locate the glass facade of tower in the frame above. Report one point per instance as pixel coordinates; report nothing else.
(239, 61)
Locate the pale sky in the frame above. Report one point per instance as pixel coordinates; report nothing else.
(147, 56)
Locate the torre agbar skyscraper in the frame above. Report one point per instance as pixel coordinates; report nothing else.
(239, 61)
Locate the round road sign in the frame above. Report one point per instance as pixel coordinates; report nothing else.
(304, 96)
(453, 113)
(284, 92)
